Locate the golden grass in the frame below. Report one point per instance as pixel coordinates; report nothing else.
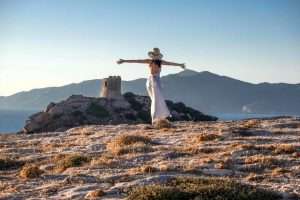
(147, 169)
(30, 171)
(7, 188)
(267, 161)
(131, 139)
(166, 167)
(253, 123)
(64, 161)
(162, 124)
(95, 194)
(227, 163)
(255, 177)
(285, 149)
(125, 144)
(258, 149)
(195, 149)
(279, 171)
(105, 160)
(205, 137)
(144, 169)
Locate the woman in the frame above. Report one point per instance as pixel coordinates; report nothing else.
(159, 109)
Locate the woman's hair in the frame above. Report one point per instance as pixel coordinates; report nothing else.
(157, 62)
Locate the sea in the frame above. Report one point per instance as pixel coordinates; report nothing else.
(241, 116)
(13, 121)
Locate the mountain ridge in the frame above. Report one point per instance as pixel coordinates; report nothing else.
(206, 91)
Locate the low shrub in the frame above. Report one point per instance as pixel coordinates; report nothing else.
(124, 144)
(71, 160)
(161, 124)
(30, 171)
(97, 111)
(201, 189)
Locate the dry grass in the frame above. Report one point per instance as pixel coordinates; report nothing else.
(69, 160)
(255, 177)
(186, 150)
(205, 137)
(227, 163)
(125, 144)
(244, 128)
(144, 169)
(247, 146)
(105, 160)
(262, 149)
(95, 194)
(266, 161)
(162, 124)
(30, 171)
(250, 124)
(285, 149)
(189, 168)
(166, 167)
(147, 169)
(131, 139)
(7, 188)
(134, 148)
(201, 188)
(50, 147)
(195, 149)
(279, 171)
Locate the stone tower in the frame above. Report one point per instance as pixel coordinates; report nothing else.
(111, 87)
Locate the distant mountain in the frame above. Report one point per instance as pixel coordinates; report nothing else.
(208, 92)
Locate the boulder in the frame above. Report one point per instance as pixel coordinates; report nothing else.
(79, 110)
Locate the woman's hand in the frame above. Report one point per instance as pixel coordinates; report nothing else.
(120, 61)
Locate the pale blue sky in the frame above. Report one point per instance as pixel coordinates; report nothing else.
(56, 42)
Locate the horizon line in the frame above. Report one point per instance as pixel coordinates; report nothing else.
(57, 86)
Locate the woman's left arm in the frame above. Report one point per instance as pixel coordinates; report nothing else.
(182, 65)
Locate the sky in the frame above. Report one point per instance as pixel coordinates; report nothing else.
(56, 42)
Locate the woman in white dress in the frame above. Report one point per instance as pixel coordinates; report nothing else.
(159, 109)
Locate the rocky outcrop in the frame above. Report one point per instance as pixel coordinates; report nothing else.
(112, 160)
(80, 110)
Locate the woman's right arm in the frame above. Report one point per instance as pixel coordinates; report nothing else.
(142, 61)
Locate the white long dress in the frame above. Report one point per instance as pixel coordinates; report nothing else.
(159, 109)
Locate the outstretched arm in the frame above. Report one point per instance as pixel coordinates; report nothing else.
(182, 65)
(142, 61)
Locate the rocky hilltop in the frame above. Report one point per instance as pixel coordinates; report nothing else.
(80, 110)
(256, 159)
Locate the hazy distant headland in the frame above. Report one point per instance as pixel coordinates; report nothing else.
(205, 91)
(225, 97)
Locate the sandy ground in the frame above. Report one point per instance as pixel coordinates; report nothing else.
(262, 152)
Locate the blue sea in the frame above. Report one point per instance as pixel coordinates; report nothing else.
(241, 116)
(14, 121)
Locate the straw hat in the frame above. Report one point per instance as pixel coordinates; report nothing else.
(155, 54)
